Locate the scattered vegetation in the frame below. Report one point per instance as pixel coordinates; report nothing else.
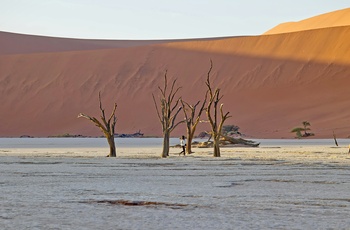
(302, 131)
(26, 136)
(132, 135)
(66, 135)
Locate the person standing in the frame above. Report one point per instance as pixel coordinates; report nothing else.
(183, 145)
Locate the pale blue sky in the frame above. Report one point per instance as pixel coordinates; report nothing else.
(155, 19)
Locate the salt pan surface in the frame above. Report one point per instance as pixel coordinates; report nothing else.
(276, 186)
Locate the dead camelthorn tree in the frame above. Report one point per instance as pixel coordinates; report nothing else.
(167, 111)
(106, 126)
(192, 120)
(212, 113)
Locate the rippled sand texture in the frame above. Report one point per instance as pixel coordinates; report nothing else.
(271, 83)
(271, 187)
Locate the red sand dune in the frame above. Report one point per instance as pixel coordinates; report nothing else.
(271, 83)
(12, 43)
(332, 19)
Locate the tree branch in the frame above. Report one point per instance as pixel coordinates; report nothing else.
(95, 121)
(155, 104)
(184, 110)
(113, 113)
(172, 119)
(103, 117)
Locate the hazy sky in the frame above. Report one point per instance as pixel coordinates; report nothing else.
(155, 19)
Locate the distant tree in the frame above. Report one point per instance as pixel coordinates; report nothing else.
(212, 113)
(167, 111)
(335, 139)
(304, 129)
(306, 124)
(106, 126)
(297, 132)
(191, 120)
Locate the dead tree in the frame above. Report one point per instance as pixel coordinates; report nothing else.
(167, 112)
(191, 120)
(106, 126)
(238, 141)
(212, 113)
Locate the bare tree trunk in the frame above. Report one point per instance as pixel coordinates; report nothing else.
(112, 148)
(189, 142)
(216, 145)
(335, 139)
(166, 145)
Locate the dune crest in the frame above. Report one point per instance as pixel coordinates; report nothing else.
(12, 43)
(331, 19)
(320, 45)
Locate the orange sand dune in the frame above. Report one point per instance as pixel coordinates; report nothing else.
(271, 84)
(332, 19)
(12, 43)
(326, 47)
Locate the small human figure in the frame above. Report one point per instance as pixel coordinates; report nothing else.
(349, 148)
(183, 145)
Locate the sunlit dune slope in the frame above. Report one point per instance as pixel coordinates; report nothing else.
(270, 84)
(331, 19)
(12, 43)
(323, 45)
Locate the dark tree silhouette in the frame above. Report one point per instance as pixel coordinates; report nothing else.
(192, 119)
(212, 113)
(167, 111)
(106, 126)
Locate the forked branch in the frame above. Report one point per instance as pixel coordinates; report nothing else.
(106, 126)
(166, 111)
(214, 99)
